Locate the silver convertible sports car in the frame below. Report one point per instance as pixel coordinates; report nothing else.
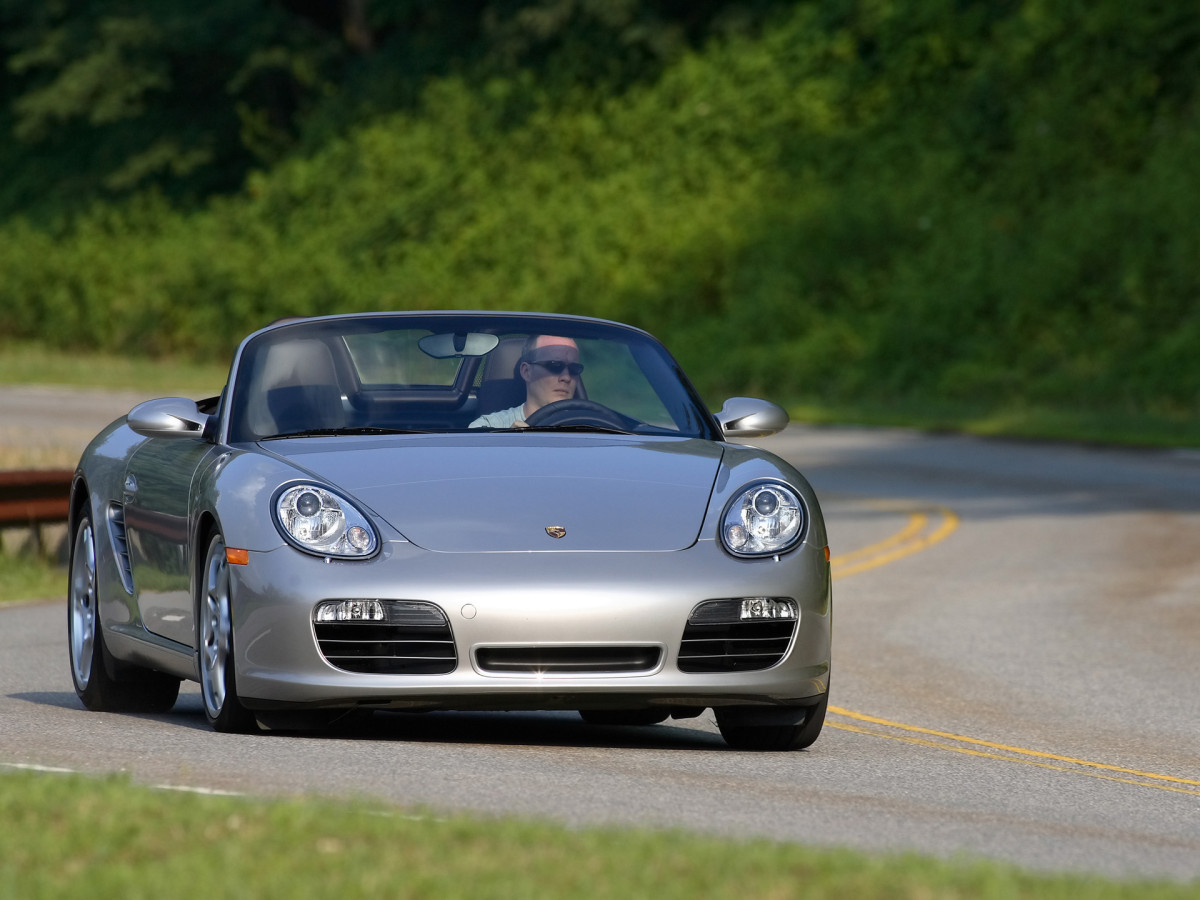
(460, 511)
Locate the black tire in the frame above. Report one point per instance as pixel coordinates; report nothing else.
(101, 682)
(624, 716)
(215, 660)
(768, 738)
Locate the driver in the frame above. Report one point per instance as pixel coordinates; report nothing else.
(550, 368)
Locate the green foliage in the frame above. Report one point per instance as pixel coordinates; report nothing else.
(26, 575)
(980, 201)
(105, 98)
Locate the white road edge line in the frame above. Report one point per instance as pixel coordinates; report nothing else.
(203, 791)
(183, 788)
(31, 767)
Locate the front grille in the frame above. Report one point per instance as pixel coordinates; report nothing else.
(413, 639)
(567, 660)
(717, 640)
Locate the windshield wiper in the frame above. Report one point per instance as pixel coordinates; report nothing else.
(602, 429)
(330, 432)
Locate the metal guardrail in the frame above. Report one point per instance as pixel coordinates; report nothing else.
(34, 497)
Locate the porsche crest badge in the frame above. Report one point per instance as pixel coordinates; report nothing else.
(556, 531)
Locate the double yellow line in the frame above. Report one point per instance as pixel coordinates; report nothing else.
(926, 526)
(912, 538)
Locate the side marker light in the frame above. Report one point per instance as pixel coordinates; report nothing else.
(237, 557)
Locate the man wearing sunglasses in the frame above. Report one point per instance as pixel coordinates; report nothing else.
(550, 368)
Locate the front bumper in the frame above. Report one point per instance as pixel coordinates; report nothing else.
(510, 602)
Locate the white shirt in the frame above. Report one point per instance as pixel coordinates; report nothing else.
(504, 418)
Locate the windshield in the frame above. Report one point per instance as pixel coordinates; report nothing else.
(458, 372)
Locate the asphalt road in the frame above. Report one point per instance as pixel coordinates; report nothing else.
(1015, 677)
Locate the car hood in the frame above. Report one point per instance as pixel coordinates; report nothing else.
(513, 492)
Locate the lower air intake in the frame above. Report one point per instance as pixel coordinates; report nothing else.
(741, 634)
(567, 660)
(392, 637)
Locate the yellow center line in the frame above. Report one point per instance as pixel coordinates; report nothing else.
(1027, 762)
(906, 542)
(912, 539)
(1007, 748)
(916, 522)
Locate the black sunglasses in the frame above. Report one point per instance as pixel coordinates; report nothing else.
(556, 366)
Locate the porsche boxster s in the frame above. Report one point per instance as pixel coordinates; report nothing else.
(459, 511)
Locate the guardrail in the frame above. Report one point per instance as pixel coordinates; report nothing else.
(34, 497)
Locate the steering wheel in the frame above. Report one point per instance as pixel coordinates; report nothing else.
(579, 412)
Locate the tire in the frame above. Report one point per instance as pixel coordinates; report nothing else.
(767, 738)
(215, 662)
(624, 716)
(101, 682)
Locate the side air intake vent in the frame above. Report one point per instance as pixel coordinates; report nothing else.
(120, 544)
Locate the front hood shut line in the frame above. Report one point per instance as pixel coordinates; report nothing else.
(518, 493)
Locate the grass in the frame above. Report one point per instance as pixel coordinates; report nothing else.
(27, 577)
(70, 835)
(37, 457)
(23, 362)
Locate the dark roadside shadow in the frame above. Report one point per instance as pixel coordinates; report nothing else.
(61, 699)
(523, 728)
(513, 729)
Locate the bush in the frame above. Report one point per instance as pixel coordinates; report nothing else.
(983, 202)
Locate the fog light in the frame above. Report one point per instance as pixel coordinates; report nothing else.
(350, 611)
(767, 608)
(733, 610)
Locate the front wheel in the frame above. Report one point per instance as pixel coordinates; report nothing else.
(215, 660)
(103, 684)
(742, 732)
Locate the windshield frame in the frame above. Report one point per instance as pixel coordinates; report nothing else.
(662, 372)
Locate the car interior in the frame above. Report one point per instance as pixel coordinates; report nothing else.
(319, 377)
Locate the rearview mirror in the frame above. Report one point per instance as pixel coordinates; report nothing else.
(746, 417)
(464, 343)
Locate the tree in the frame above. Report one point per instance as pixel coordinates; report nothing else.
(125, 95)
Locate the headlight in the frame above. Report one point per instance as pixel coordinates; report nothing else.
(764, 519)
(319, 521)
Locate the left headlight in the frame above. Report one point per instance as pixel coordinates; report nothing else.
(765, 518)
(317, 520)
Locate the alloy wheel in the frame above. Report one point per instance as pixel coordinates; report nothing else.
(83, 604)
(216, 629)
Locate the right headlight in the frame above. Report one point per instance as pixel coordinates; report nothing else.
(765, 518)
(315, 519)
